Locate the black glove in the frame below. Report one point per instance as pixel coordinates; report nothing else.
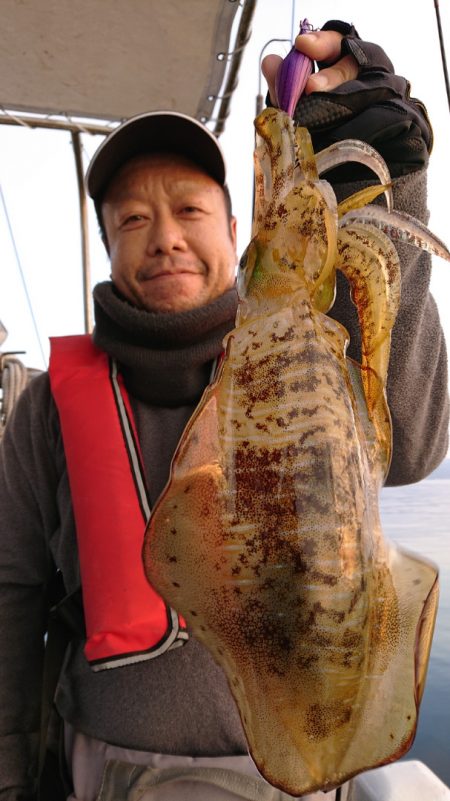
(376, 107)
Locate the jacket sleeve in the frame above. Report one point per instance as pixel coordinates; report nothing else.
(377, 107)
(27, 484)
(417, 387)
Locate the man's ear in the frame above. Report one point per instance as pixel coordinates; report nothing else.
(233, 233)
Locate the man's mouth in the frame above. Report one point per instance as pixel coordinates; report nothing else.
(171, 274)
(166, 272)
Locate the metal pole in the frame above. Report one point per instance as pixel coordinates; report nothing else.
(88, 322)
(242, 37)
(441, 42)
(28, 121)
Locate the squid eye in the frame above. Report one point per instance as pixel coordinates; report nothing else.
(245, 270)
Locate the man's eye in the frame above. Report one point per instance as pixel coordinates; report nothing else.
(191, 209)
(132, 218)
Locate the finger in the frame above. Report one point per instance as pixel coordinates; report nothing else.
(320, 45)
(346, 69)
(269, 68)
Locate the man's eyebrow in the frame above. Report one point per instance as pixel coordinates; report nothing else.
(125, 197)
(192, 187)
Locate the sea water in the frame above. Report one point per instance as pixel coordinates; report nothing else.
(417, 516)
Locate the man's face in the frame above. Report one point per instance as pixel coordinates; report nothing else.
(171, 244)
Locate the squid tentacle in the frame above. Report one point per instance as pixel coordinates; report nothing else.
(360, 199)
(400, 227)
(274, 160)
(370, 262)
(354, 150)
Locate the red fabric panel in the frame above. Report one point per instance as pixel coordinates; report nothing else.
(124, 615)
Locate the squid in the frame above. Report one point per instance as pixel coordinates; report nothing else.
(267, 537)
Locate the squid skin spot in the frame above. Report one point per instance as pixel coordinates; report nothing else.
(288, 336)
(347, 659)
(173, 559)
(173, 531)
(306, 662)
(194, 614)
(187, 489)
(261, 427)
(175, 584)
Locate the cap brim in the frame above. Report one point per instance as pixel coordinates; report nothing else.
(152, 132)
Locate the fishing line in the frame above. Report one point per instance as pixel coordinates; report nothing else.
(16, 252)
(293, 21)
(441, 42)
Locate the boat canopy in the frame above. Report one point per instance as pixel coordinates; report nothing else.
(110, 60)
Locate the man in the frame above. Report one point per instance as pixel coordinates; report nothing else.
(158, 183)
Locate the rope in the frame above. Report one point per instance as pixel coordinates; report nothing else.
(21, 272)
(443, 55)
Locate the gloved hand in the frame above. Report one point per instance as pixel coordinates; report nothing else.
(356, 95)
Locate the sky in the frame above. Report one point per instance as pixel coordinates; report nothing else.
(38, 180)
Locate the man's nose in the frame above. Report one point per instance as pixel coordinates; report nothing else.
(165, 234)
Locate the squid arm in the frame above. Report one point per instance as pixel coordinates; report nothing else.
(400, 227)
(370, 262)
(355, 150)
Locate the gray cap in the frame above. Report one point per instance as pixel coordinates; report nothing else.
(152, 132)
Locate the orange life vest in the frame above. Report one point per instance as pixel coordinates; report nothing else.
(126, 620)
